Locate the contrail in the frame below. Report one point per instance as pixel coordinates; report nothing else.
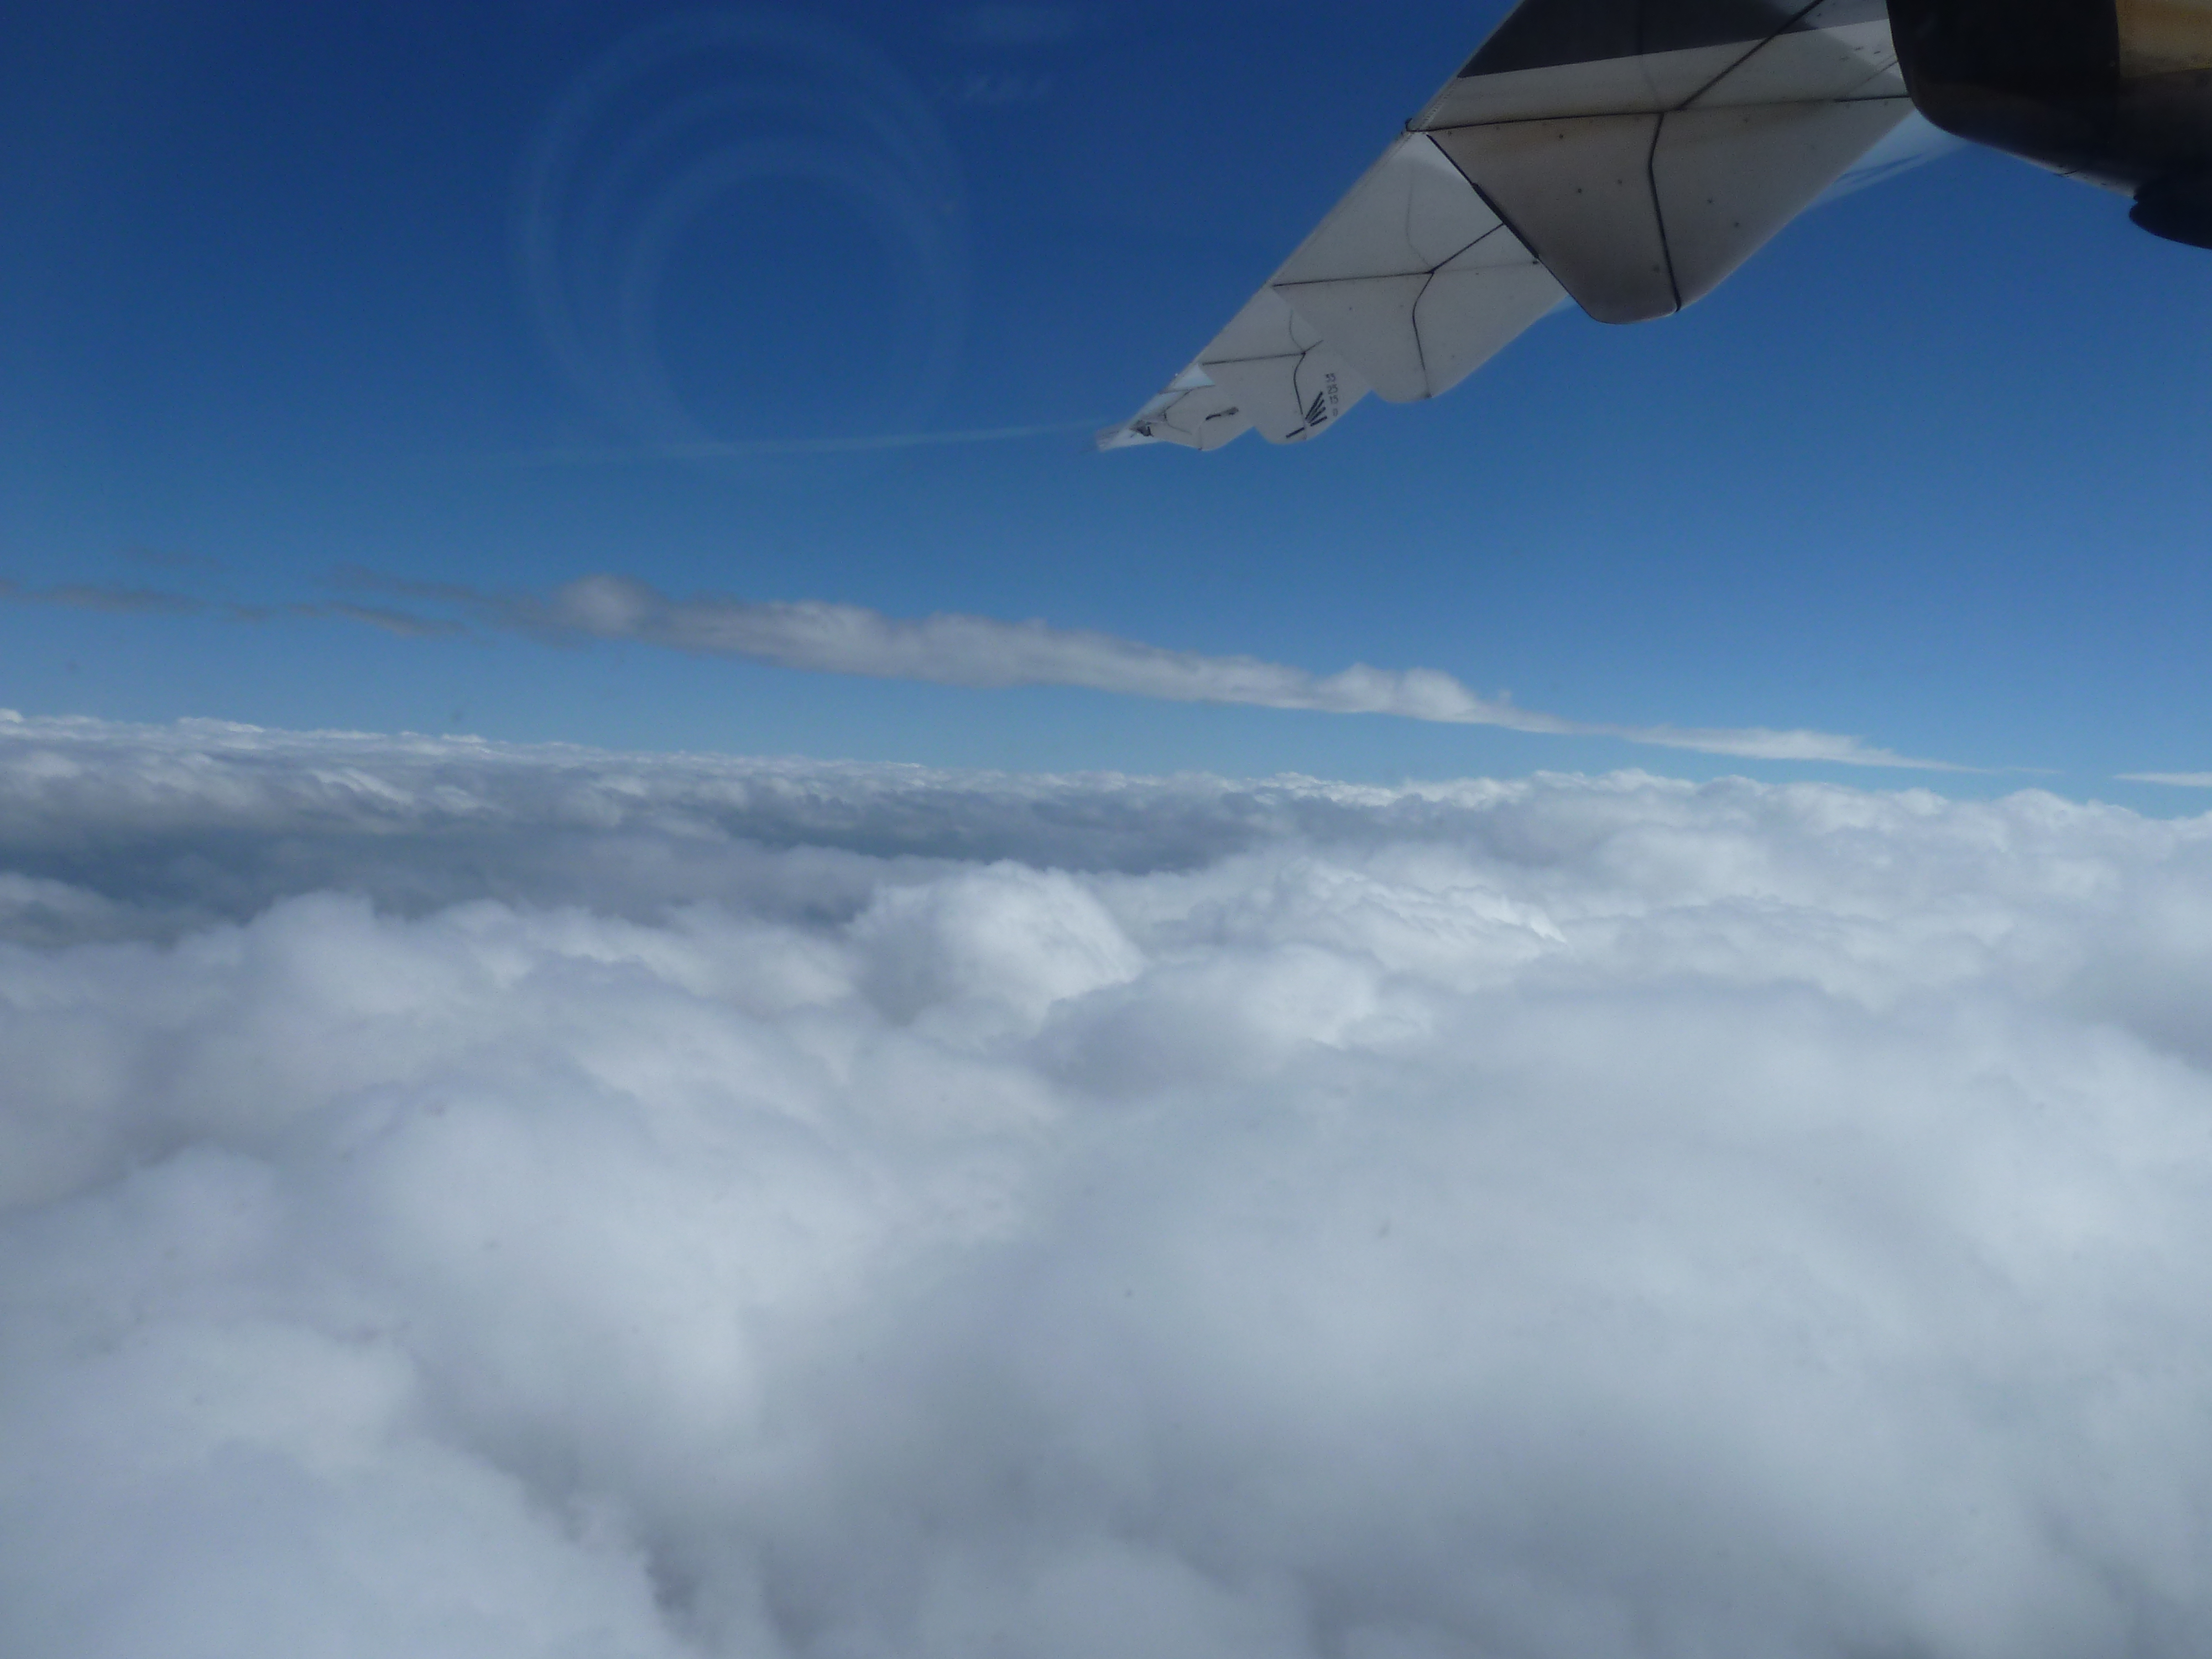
(753, 449)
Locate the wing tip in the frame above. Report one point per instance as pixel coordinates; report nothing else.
(1130, 434)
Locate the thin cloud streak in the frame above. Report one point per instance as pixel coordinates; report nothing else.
(112, 601)
(154, 602)
(404, 623)
(953, 649)
(750, 449)
(2176, 779)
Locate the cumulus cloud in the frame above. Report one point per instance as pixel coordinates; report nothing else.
(953, 649)
(457, 1200)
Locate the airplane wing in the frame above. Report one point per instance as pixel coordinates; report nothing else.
(1627, 154)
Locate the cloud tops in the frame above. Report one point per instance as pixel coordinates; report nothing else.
(460, 1199)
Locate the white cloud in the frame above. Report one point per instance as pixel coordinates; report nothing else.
(952, 649)
(684, 1206)
(2178, 780)
(960, 650)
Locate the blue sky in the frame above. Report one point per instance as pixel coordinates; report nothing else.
(313, 307)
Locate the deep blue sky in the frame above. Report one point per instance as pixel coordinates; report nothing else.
(1931, 470)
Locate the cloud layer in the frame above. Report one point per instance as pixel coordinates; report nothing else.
(460, 1200)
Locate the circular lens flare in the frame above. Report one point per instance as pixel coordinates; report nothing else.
(798, 155)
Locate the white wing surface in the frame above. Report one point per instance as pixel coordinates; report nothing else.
(1629, 154)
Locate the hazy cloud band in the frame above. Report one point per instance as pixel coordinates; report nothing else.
(953, 649)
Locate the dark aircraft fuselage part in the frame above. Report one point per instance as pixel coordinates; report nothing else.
(2118, 91)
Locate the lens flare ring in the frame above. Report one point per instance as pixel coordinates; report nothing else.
(678, 122)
